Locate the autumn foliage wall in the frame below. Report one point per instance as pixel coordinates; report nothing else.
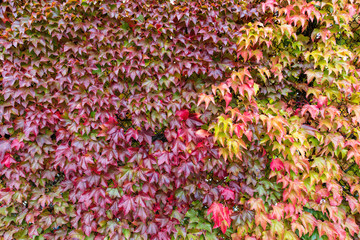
(200, 119)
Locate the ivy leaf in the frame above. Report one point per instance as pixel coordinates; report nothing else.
(228, 98)
(276, 164)
(322, 101)
(206, 98)
(227, 193)
(220, 215)
(352, 226)
(8, 160)
(183, 114)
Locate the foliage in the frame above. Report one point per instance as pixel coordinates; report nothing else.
(179, 119)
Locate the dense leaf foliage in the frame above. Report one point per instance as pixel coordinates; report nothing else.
(179, 119)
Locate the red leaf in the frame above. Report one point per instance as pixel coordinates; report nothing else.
(85, 160)
(312, 109)
(16, 144)
(183, 114)
(221, 216)
(33, 231)
(248, 134)
(87, 230)
(322, 101)
(163, 158)
(227, 98)
(127, 204)
(276, 164)
(227, 193)
(8, 160)
(4, 147)
(112, 121)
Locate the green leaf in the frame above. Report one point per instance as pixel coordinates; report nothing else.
(113, 192)
(176, 214)
(3, 211)
(126, 233)
(125, 25)
(204, 226)
(140, 18)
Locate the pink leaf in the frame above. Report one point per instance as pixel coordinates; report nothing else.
(322, 101)
(16, 144)
(228, 98)
(276, 164)
(8, 160)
